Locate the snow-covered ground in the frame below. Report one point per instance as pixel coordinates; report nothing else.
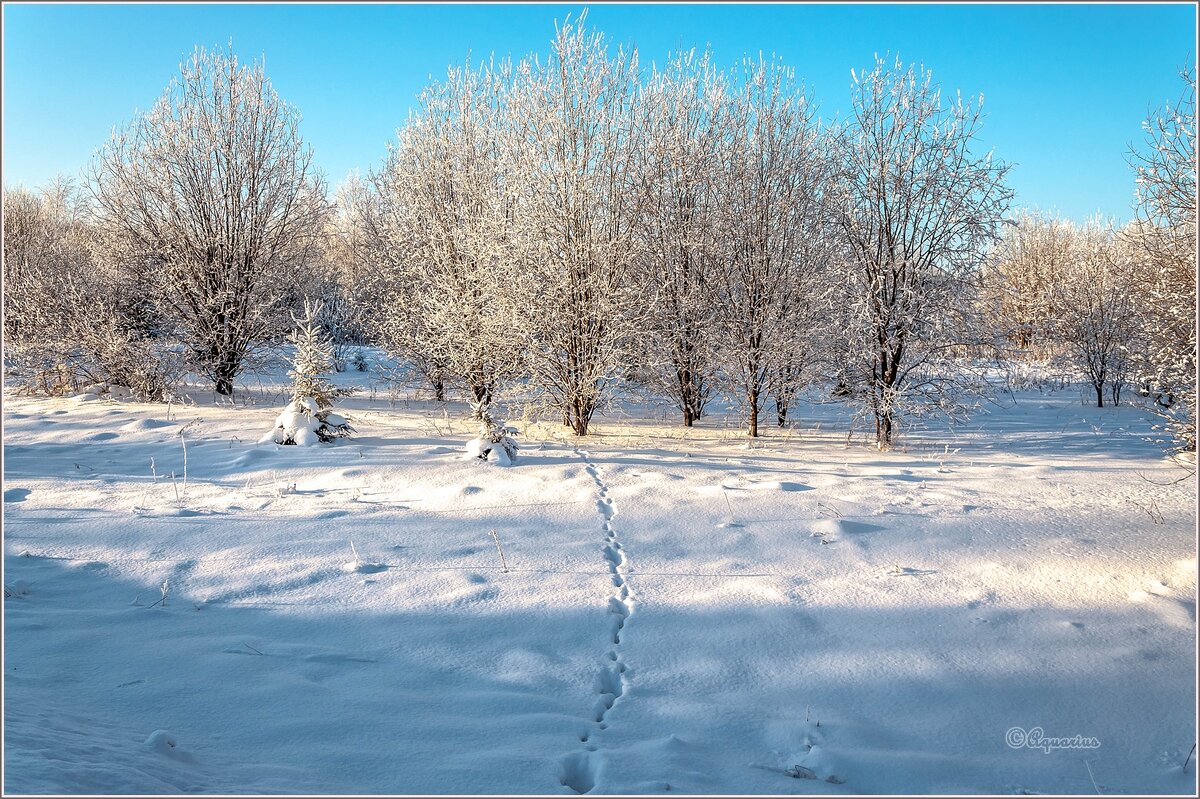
(680, 613)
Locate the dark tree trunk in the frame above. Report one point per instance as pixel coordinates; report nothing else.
(223, 360)
(886, 380)
(752, 401)
(1099, 393)
(883, 429)
(482, 390)
(579, 416)
(223, 375)
(690, 399)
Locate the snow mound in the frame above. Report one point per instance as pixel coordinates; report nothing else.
(489, 451)
(141, 425)
(165, 743)
(103, 391)
(360, 567)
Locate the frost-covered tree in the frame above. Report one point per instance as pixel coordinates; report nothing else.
(74, 313)
(447, 223)
(213, 191)
(1165, 165)
(381, 279)
(918, 210)
(685, 121)
(1068, 292)
(338, 277)
(1022, 274)
(48, 281)
(1092, 309)
(775, 233)
(41, 250)
(575, 118)
(310, 417)
(809, 319)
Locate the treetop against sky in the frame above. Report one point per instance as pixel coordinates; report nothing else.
(1065, 87)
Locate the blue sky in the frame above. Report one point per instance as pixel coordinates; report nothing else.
(1065, 86)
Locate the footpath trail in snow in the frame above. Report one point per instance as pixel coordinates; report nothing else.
(580, 770)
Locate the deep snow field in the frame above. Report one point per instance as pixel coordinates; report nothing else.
(682, 613)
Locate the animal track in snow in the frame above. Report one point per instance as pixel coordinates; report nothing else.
(580, 771)
(1161, 599)
(16, 494)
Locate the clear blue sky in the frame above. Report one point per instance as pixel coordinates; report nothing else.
(1066, 86)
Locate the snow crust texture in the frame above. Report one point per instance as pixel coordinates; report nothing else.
(659, 611)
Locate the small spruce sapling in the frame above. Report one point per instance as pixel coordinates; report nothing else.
(309, 417)
(495, 441)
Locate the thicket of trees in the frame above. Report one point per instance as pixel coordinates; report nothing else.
(1116, 305)
(1067, 293)
(557, 227)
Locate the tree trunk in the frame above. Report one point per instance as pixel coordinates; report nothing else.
(1099, 393)
(885, 392)
(483, 398)
(781, 412)
(224, 363)
(439, 387)
(883, 429)
(582, 416)
(223, 374)
(689, 396)
(752, 402)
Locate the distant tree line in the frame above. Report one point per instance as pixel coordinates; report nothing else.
(565, 225)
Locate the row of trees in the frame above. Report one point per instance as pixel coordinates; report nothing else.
(1118, 305)
(572, 221)
(564, 225)
(1071, 292)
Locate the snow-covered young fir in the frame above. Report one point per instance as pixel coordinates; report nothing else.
(496, 441)
(309, 418)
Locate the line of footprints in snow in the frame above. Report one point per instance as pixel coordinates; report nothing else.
(580, 770)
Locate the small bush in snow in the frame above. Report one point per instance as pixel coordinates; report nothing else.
(495, 441)
(303, 422)
(309, 417)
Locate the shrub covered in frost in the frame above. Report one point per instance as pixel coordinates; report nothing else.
(495, 441)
